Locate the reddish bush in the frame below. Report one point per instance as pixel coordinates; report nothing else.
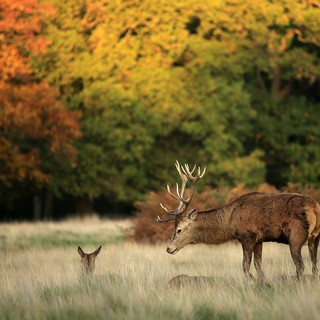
(299, 188)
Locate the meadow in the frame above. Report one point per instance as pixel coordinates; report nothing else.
(40, 277)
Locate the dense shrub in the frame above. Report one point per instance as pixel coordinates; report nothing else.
(147, 229)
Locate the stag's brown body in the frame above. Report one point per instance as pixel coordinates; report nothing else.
(252, 219)
(278, 217)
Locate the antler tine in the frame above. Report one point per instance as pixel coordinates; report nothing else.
(164, 208)
(179, 195)
(183, 176)
(187, 171)
(165, 220)
(171, 193)
(186, 175)
(203, 172)
(173, 212)
(177, 190)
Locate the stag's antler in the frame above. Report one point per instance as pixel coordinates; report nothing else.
(185, 175)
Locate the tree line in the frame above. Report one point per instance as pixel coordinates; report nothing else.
(98, 99)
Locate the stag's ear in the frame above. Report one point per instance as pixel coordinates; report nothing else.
(192, 215)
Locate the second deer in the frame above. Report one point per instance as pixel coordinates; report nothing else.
(182, 280)
(252, 219)
(88, 260)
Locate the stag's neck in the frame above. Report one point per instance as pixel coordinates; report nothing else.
(213, 226)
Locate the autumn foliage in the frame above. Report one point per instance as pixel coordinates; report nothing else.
(20, 25)
(98, 99)
(35, 127)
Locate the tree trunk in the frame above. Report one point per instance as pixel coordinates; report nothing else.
(37, 204)
(84, 206)
(278, 90)
(48, 202)
(276, 83)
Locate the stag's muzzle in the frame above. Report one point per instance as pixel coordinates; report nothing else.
(172, 250)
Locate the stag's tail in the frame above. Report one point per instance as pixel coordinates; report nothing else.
(317, 214)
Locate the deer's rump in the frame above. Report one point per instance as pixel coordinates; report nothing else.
(273, 217)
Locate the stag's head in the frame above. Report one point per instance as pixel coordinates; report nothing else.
(184, 231)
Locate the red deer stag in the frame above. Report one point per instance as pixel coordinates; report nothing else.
(252, 219)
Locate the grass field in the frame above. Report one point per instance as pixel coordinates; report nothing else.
(40, 278)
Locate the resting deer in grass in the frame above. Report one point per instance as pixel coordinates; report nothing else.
(185, 280)
(252, 219)
(88, 260)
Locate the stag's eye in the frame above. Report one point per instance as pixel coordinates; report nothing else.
(179, 231)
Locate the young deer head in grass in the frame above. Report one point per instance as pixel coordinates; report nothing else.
(88, 260)
(252, 219)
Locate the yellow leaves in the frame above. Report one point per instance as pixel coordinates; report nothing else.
(283, 45)
(282, 20)
(93, 16)
(126, 37)
(315, 3)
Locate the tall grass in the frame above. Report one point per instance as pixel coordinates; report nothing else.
(130, 281)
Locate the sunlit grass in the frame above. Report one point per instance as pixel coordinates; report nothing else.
(130, 281)
(23, 236)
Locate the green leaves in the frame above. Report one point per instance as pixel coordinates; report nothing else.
(229, 84)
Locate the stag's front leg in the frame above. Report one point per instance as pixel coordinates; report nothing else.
(247, 247)
(258, 261)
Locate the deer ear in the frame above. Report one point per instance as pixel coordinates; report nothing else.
(97, 251)
(80, 251)
(192, 215)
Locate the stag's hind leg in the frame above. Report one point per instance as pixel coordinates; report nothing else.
(313, 243)
(298, 237)
(258, 261)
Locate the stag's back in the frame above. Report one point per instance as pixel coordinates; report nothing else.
(271, 215)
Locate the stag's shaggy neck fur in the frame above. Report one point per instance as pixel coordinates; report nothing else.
(213, 226)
